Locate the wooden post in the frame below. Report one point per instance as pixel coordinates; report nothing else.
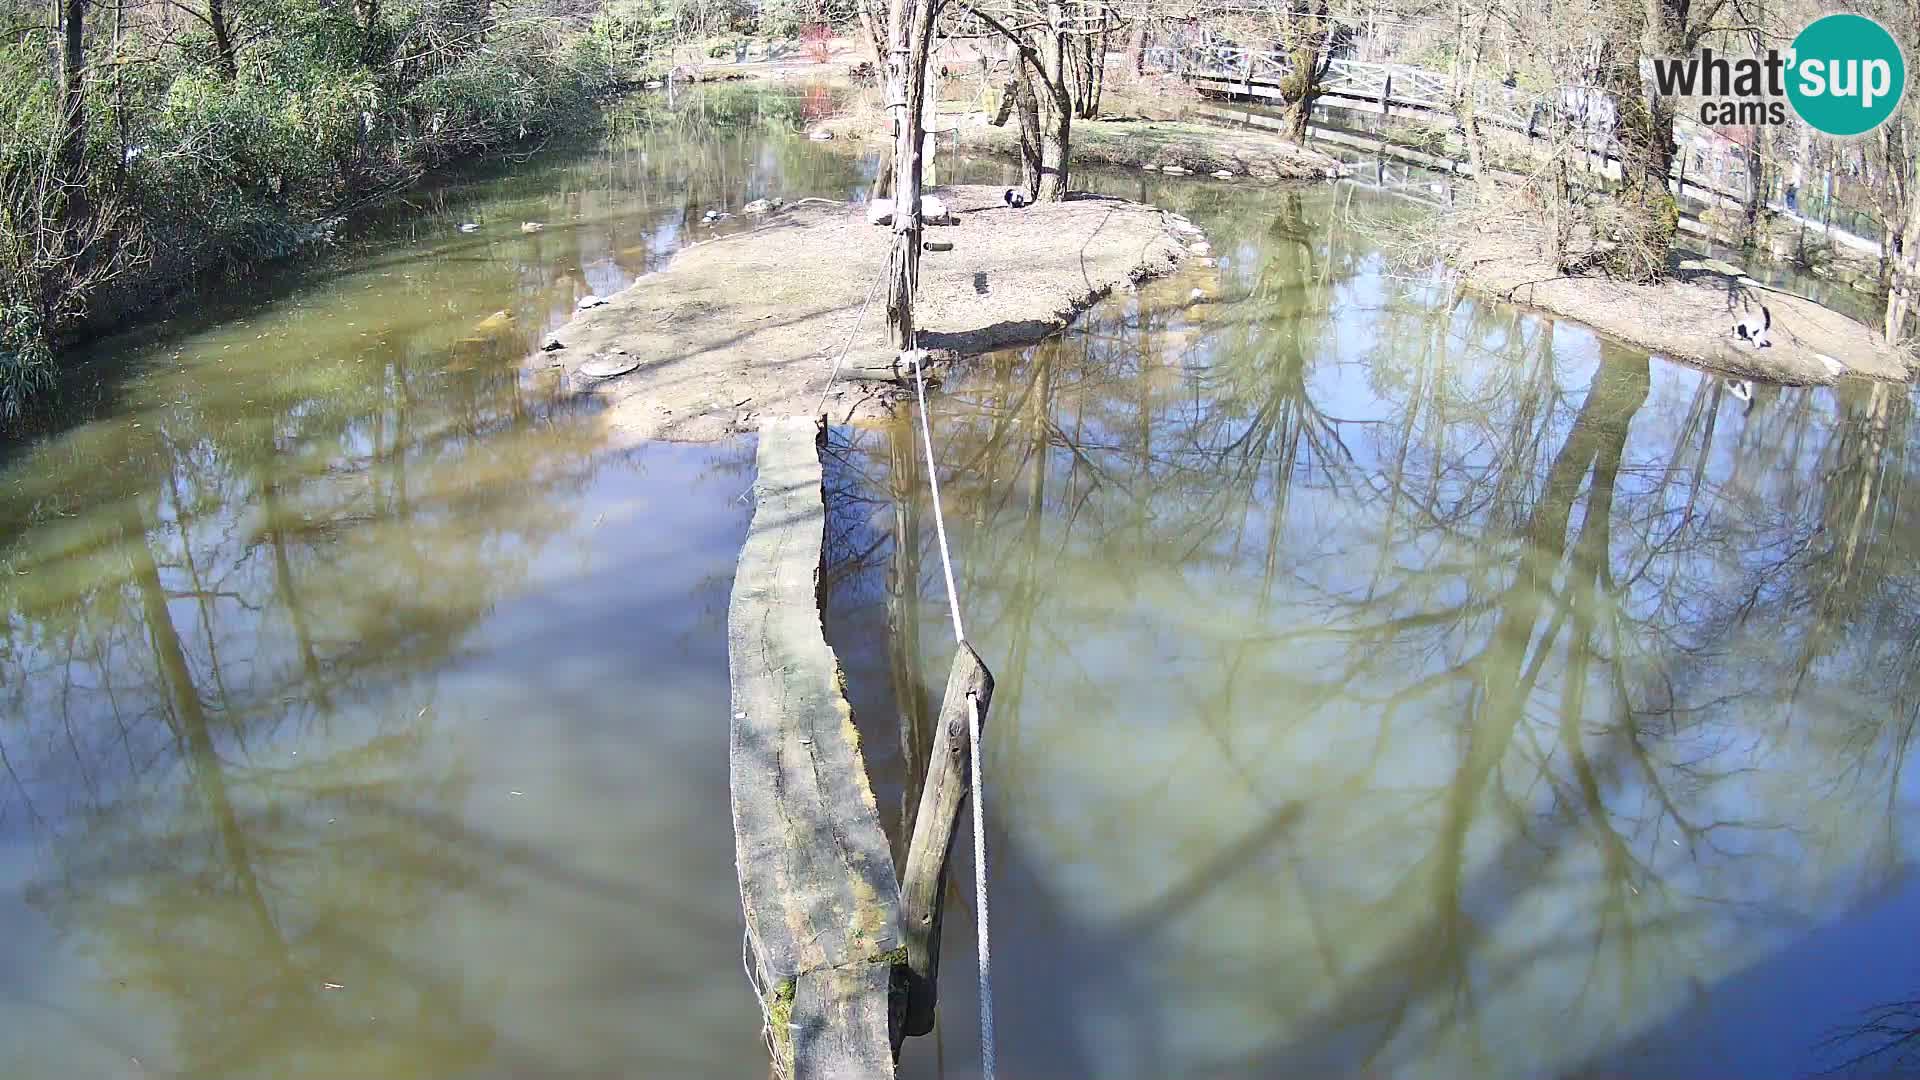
(1386, 94)
(925, 877)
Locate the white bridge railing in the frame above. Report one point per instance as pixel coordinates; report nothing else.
(1388, 86)
(1707, 160)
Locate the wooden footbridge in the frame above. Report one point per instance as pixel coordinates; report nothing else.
(1709, 167)
(842, 951)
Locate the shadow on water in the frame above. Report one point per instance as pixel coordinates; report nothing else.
(1392, 682)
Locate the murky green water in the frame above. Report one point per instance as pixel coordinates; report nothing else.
(1390, 683)
(358, 720)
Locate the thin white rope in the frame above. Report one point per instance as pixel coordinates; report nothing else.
(939, 518)
(985, 950)
(851, 334)
(982, 936)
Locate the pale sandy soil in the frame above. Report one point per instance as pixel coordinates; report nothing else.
(750, 325)
(1690, 317)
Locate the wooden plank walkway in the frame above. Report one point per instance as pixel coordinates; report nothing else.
(816, 878)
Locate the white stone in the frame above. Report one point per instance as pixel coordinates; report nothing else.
(1222, 174)
(1173, 170)
(758, 207)
(820, 135)
(1201, 248)
(933, 211)
(589, 302)
(880, 212)
(607, 367)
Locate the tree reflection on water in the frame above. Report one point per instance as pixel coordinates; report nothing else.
(1389, 679)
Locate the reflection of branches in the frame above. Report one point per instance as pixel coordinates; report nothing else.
(1887, 1037)
(1515, 626)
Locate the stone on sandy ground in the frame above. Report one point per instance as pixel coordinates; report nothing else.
(750, 324)
(1690, 317)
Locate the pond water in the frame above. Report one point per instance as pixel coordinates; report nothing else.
(357, 719)
(1390, 682)
(1393, 683)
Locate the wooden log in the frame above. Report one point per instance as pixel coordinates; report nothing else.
(945, 792)
(816, 878)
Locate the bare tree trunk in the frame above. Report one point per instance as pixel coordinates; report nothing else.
(1057, 132)
(1097, 51)
(1051, 122)
(1559, 228)
(368, 13)
(1643, 135)
(1756, 152)
(225, 59)
(1756, 187)
(875, 39)
(1027, 103)
(912, 30)
(1906, 274)
(1302, 85)
(1137, 47)
(1466, 101)
(73, 107)
(883, 179)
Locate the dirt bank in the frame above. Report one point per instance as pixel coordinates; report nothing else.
(1131, 142)
(749, 324)
(1689, 317)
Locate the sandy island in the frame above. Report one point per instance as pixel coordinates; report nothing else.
(1690, 316)
(749, 324)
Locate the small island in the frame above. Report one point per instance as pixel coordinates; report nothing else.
(753, 323)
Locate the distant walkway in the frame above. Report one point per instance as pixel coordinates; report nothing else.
(1709, 166)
